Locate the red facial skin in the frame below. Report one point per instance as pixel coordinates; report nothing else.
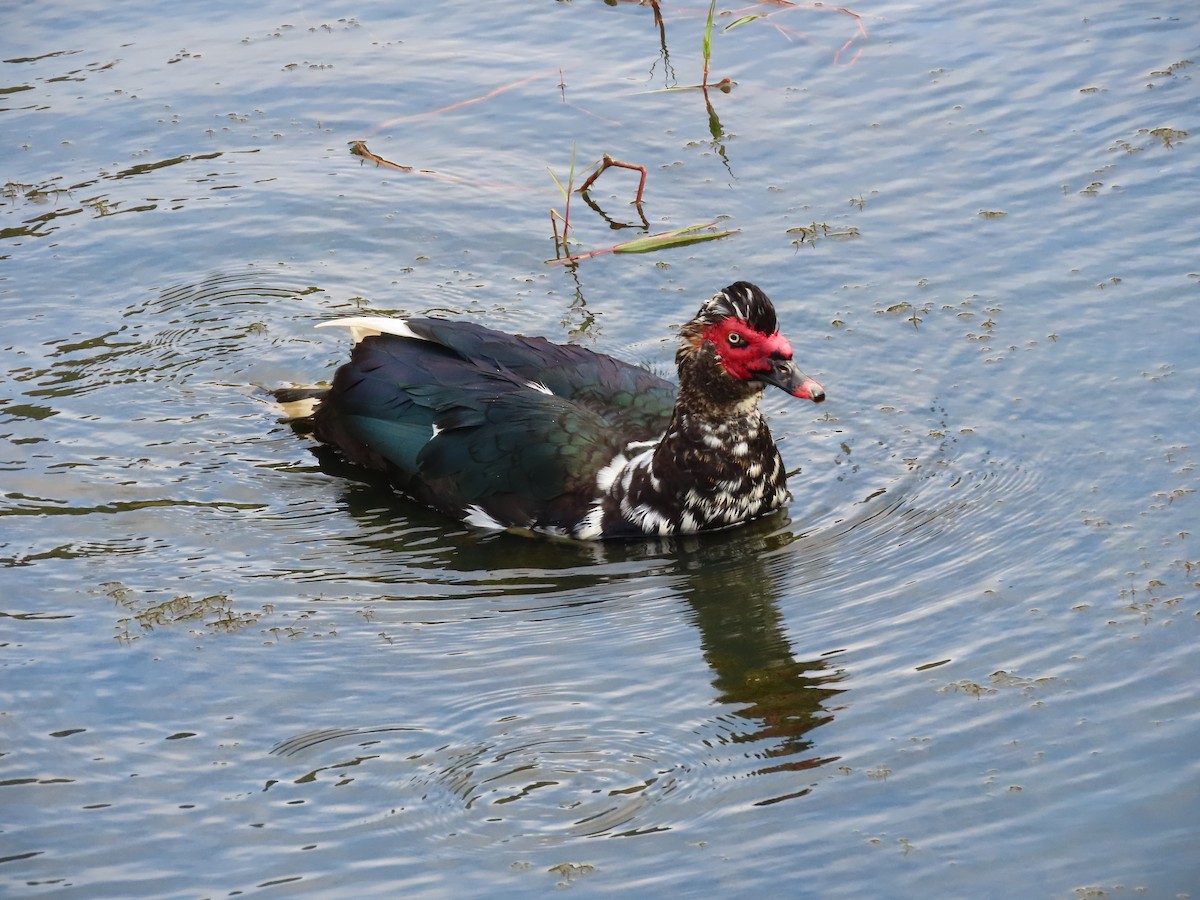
(751, 355)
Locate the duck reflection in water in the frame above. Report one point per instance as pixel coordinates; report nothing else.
(779, 699)
(731, 582)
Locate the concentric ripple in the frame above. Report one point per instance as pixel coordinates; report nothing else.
(524, 783)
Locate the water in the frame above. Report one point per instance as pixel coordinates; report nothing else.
(960, 664)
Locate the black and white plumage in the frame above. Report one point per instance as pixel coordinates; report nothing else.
(505, 431)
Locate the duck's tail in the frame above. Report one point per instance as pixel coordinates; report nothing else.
(296, 405)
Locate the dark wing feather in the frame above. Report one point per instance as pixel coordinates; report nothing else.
(630, 398)
(457, 431)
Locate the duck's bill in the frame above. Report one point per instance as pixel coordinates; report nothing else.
(783, 374)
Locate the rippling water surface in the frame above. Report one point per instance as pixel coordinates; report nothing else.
(961, 663)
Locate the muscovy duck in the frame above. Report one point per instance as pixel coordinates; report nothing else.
(520, 433)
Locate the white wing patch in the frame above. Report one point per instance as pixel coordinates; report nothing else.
(481, 518)
(608, 475)
(369, 326)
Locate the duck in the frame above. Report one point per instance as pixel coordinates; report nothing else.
(507, 432)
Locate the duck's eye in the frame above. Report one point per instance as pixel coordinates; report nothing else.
(735, 339)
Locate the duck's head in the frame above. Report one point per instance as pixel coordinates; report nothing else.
(737, 330)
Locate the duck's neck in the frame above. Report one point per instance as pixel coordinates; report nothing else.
(716, 465)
